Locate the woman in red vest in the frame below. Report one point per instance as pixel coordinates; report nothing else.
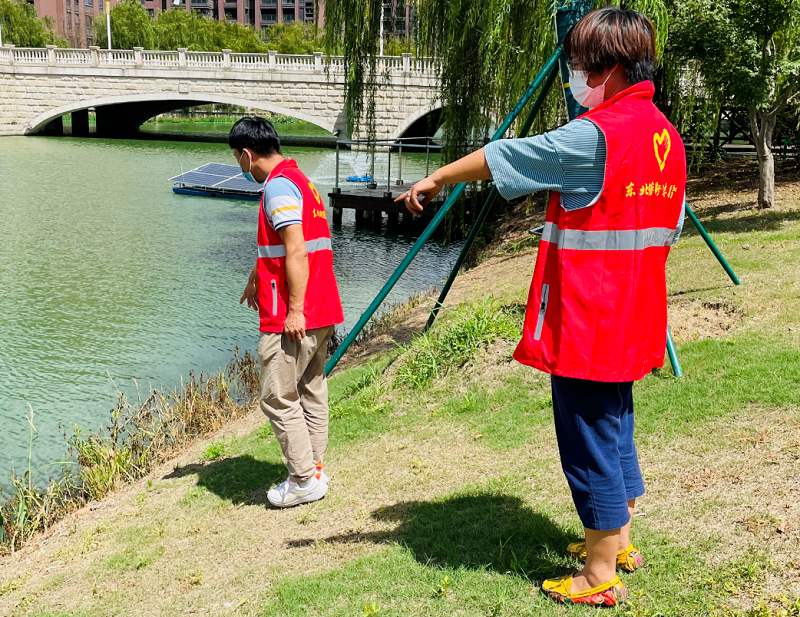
(596, 319)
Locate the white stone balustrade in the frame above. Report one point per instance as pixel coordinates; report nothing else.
(183, 58)
(125, 87)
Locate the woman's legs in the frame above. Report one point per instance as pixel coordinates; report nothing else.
(629, 461)
(594, 428)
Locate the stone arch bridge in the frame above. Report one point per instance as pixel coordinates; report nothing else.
(125, 88)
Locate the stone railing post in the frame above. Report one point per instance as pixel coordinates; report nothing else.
(318, 61)
(10, 53)
(94, 53)
(406, 62)
(51, 54)
(137, 56)
(226, 58)
(182, 56)
(273, 59)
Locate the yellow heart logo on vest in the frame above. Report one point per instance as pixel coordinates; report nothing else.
(658, 142)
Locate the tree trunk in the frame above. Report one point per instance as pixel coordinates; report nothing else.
(766, 180)
(762, 125)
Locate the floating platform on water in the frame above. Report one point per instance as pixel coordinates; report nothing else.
(217, 180)
(371, 203)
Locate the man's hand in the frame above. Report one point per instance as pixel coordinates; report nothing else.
(251, 291)
(421, 194)
(295, 326)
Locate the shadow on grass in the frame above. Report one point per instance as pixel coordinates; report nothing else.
(761, 220)
(241, 480)
(489, 531)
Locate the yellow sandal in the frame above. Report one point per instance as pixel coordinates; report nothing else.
(628, 560)
(607, 594)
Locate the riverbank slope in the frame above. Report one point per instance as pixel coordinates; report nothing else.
(446, 492)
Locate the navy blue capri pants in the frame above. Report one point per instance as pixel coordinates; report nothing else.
(594, 428)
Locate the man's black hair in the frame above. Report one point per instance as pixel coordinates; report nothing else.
(256, 134)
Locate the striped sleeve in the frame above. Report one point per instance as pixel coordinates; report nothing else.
(570, 159)
(283, 203)
(681, 220)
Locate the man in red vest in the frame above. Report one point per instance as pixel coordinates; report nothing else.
(294, 290)
(597, 309)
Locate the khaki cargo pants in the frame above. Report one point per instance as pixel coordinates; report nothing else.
(294, 396)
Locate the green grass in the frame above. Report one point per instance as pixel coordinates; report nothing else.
(483, 548)
(484, 551)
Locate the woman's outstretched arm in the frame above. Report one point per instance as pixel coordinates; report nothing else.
(471, 168)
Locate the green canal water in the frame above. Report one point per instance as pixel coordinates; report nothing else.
(110, 279)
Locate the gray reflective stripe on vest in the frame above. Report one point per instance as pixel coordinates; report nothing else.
(278, 250)
(608, 240)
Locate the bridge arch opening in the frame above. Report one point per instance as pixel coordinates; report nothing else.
(425, 123)
(121, 116)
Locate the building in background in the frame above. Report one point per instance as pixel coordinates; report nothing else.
(398, 18)
(74, 19)
(270, 12)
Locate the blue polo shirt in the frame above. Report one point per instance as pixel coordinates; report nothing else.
(570, 160)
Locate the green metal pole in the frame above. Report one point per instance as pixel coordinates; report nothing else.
(712, 246)
(487, 206)
(437, 219)
(673, 355)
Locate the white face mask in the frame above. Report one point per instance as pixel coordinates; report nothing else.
(581, 92)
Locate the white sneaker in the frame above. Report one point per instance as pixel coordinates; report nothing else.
(290, 493)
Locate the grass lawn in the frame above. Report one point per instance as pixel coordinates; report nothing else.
(446, 494)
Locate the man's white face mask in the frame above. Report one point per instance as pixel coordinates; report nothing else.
(581, 92)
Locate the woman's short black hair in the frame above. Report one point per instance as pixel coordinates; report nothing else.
(256, 134)
(610, 36)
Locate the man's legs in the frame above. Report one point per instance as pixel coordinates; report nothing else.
(280, 402)
(313, 390)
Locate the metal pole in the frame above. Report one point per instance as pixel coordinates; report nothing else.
(712, 246)
(389, 171)
(108, 23)
(381, 44)
(673, 355)
(437, 219)
(337, 164)
(400, 164)
(427, 156)
(487, 206)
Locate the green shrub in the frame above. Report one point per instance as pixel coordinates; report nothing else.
(215, 450)
(456, 341)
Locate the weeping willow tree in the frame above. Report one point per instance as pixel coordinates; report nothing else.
(21, 26)
(352, 27)
(489, 52)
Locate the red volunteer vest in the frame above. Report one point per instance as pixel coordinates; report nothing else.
(322, 306)
(597, 307)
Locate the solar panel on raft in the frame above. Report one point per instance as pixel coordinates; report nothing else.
(220, 169)
(239, 184)
(195, 177)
